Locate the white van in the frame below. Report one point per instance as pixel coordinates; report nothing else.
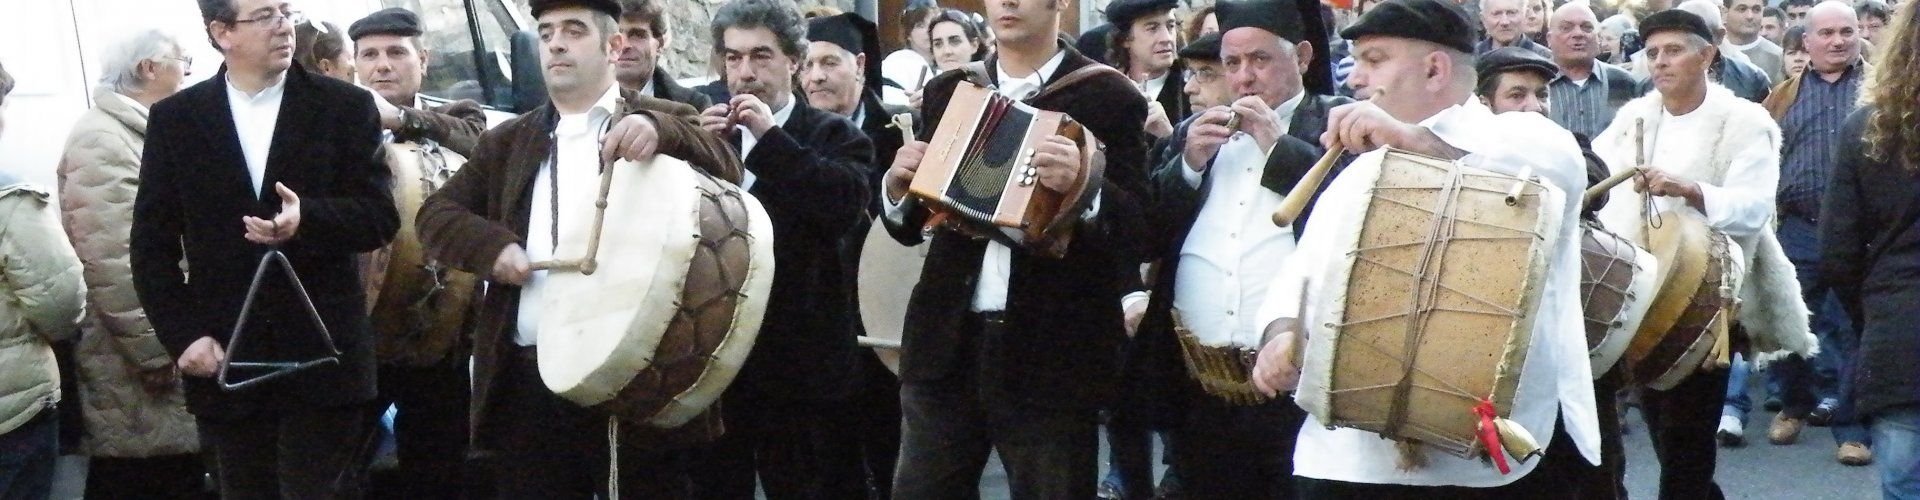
(52, 48)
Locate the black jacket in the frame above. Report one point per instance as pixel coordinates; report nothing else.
(666, 88)
(1877, 279)
(811, 175)
(194, 189)
(1060, 347)
(1173, 95)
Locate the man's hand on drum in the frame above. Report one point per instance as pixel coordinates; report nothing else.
(281, 227)
(202, 358)
(905, 162)
(1058, 161)
(1205, 136)
(1362, 126)
(634, 138)
(1660, 183)
(1273, 368)
(512, 266)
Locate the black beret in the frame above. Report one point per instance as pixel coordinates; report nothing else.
(611, 7)
(1507, 59)
(1437, 21)
(1121, 13)
(1674, 20)
(913, 5)
(1206, 48)
(394, 21)
(851, 32)
(1279, 18)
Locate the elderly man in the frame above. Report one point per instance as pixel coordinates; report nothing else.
(143, 441)
(1713, 159)
(1145, 35)
(810, 168)
(491, 220)
(1504, 22)
(1415, 60)
(1587, 90)
(46, 297)
(1744, 30)
(1730, 69)
(1811, 108)
(1225, 182)
(645, 26)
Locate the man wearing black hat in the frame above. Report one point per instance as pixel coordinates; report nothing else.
(1009, 351)
(1713, 157)
(545, 446)
(1142, 45)
(1514, 79)
(1217, 249)
(810, 167)
(841, 77)
(431, 395)
(1416, 66)
(646, 29)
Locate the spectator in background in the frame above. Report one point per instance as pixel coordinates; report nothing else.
(1504, 23)
(140, 438)
(1536, 20)
(1145, 36)
(1873, 17)
(1744, 31)
(322, 47)
(1586, 90)
(1199, 22)
(954, 40)
(1794, 49)
(44, 296)
(1796, 11)
(638, 67)
(1773, 24)
(1614, 34)
(911, 67)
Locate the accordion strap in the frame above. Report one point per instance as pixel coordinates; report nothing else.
(976, 73)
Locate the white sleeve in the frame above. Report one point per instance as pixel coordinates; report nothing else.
(892, 210)
(1187, 173)
(1742, 205)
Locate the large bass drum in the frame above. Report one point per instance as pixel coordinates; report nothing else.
(659, 327)
(888, 273)
(1689, 314)
(1428, 335)
(418, 307)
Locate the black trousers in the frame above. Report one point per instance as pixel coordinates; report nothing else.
(949, 429)
(1245, 452)
(176, 477)
(1608, 481)
(310, 453)
(863, 444)
(774, 441)
(430, 428)
(550, 448)
(1682, 421)
(1560, 474)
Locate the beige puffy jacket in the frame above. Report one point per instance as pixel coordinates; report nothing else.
(40, 301)
(99, 174)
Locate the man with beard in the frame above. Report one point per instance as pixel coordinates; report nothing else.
(646, 29)
(1009, 351)
(1744, 35)
(809, 168)
(841, 77)
(1587, 90)
(496, 217)
(1218, 248)
(431, 393)
(1141, 45)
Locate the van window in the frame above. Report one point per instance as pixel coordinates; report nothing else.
(455, 72)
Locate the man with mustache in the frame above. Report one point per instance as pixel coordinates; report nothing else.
(431, 395)
(646, 29)
(1142, 45)
(223, 162)
(1811, 109)
(500, 214)
(1582, 99)
(810, 168)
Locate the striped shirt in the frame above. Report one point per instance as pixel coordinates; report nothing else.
(1582, 108)
(1810, 136)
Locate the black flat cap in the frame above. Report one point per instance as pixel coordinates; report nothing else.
(851, 32)
(1122, 13)
(394, 21)
(1507, 59)
(1674, 20)
(1279, 18)
(1436, 21)
(611, 7)
(1207, 48)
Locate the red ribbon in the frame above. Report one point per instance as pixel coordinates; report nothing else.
(1490, 435)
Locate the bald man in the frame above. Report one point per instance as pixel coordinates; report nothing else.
(1583, 98)
(1811, 108)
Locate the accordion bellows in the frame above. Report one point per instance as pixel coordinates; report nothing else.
(979, 171)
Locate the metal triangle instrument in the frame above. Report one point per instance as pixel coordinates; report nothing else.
(273, 369)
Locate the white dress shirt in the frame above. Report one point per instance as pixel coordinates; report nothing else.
(748, 141)
(254, 118)
(577, 146)
(1556, 382)
(1233, 250)
(1151, 88)
(990, 291)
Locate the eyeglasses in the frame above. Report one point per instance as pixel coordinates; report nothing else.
(1203, 75)
(275, 20)
(185, 61)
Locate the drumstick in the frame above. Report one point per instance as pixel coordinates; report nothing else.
(1296, 200)
(1513, 194)
(1603, 186)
